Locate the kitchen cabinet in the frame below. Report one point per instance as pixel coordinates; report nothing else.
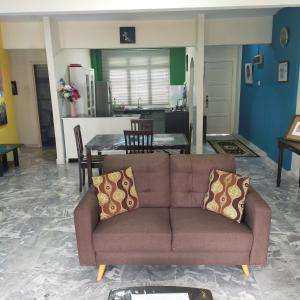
(177, 122)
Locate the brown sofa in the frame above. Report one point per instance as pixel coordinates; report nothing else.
(170, 227)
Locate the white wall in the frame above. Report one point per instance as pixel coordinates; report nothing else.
(238, 31)
(105, 34)
(149, 33)
(23, 34)
(25, 103)
(229, 53)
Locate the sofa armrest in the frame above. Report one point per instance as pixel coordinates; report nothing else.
(257, 216)
(86, 218)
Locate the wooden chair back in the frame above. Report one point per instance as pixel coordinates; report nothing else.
(189, 138)
(137, 141)
(79, 144)
(142, 124)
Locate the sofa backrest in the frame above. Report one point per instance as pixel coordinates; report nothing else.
(151, 175)
(189, 176)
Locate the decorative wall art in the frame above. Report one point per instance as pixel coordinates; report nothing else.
(3, 113)
(283, 71)
(248, 73)
(293, 133)
(127, 35)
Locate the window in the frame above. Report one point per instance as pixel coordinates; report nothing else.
(137, 74)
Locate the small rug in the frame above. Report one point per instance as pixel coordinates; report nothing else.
(233, 147)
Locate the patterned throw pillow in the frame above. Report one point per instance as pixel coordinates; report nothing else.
(116, 193)
(226, 194)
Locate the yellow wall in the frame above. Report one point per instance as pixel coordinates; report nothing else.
(8, 132)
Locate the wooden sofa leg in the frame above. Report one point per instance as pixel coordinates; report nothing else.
(246, 270)
(101, 271)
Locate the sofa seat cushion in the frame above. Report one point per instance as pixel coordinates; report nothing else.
(143, 229)
(195, 229)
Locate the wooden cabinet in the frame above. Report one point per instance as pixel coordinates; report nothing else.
(177, 122)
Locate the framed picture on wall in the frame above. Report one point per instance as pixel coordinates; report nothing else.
(293, 133)
(249, 73)
(283, 71)
(127, 35)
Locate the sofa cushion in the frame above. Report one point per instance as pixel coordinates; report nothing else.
(143, 229)
(189, 176)
(116, 193)
(151, 174)
(226, 194)
(195, 229)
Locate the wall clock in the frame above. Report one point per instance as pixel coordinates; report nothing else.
(284, 37)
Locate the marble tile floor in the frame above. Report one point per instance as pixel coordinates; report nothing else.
(38, 254)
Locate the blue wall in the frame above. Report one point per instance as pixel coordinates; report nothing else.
(267, 110)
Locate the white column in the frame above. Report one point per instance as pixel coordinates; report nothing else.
(199, 82)
(51, 48)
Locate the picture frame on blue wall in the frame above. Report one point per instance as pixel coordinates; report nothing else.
(283, 71)
(249, 73)
(293, 133)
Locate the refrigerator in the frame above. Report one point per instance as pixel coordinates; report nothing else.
(103, 99)
(83, 79)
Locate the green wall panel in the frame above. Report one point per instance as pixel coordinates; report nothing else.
(177, 66)
(96, 63)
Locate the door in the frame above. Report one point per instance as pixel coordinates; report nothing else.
(44, 104)
(218, 96)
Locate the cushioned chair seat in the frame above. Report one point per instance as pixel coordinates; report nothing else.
(195, 229)
(143, 229)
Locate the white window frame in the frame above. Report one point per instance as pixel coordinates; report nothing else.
(147, 60)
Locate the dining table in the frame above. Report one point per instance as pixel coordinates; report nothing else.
(107, 142)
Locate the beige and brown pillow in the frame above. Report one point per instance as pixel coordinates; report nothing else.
(116, 193)
(226, 194)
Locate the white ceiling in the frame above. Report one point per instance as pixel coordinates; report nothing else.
(240, 13)
(112, 8)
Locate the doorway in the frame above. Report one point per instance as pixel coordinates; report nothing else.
(44, 104)
(218, 96)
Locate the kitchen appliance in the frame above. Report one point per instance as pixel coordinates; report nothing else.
(83, 79)
(103, 99)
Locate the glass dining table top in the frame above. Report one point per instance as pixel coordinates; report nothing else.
(103, 142)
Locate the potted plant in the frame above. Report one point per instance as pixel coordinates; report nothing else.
(70, 93)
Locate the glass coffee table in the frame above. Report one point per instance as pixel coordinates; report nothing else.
(160, 293)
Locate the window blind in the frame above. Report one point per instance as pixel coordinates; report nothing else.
(138, 73)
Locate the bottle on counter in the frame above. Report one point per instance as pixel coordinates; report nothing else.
(114, 104)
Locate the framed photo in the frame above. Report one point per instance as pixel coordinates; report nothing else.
(127, 35)
(249, 73)
(293, 133)
(283, 71)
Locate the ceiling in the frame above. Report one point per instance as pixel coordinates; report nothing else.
(141, 9)
(210, 14)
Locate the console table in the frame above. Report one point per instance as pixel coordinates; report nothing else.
(4, 149)
(282, 145)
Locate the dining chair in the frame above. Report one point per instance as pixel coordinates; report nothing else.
(97, 160)
(138, 141)
(189, 138)
(142, 124)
